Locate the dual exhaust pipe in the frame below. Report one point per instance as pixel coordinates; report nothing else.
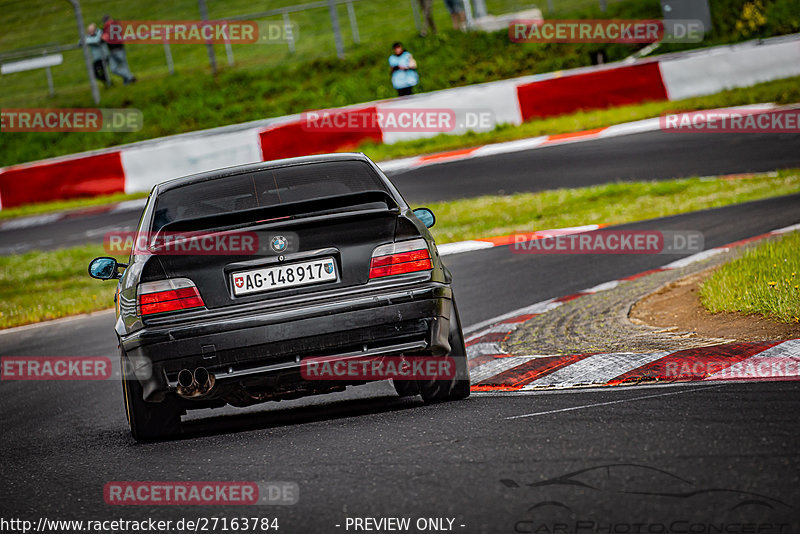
(195, 384)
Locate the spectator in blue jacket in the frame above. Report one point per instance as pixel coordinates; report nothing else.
(404, 70)
(99, 51)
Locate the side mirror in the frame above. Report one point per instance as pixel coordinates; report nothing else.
(104, 268)
(426, 216)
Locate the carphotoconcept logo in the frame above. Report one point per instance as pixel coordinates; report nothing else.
(619, 493)
(70, 120)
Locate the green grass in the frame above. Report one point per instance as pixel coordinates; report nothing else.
(66, 205)
(763, 281)
(616, 203)
(267, 82)
(785, 91)
(37, 286)
(780, 91)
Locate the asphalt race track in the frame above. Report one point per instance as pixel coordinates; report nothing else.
(645, 156)
(674, 458)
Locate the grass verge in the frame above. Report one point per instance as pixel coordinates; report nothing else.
(765, 281)
(615, 203)
(38, 286)
(785, 91)
(42, 208)
(781, 91)
(268, 82)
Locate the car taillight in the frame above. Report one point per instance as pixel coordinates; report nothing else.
(170, 295)
(399, 258)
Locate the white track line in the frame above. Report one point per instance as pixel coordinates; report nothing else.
(596, 404)
(463, 246)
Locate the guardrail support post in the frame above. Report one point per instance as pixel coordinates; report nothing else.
(168, 54)
(76, 5)
(415, 10)
(337, 30)
(49, 73)
(229, 52)
(468, 13)
(212, 58)
(351, 13)
(289, 31)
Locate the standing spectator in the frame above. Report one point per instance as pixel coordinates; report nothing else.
(404, 70)
(457, 14)
(117, 59)
(99, 51)
(427, 17)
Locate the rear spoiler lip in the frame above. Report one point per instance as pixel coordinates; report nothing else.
(280, 214)
(314, 218)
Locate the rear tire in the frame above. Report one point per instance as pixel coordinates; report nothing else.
(148, 420)
(458, 388)
(406, 388)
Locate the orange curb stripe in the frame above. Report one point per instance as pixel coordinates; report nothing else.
(499, 241)
(573, 135)
(447, 155)
(480, 388)
(640, 275)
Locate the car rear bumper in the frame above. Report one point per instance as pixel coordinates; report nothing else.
(390, 321)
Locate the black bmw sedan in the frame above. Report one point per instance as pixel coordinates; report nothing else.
(240, 276)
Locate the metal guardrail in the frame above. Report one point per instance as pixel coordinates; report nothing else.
(42, 59)
(35, 51)
(284, 12)
(288, 9)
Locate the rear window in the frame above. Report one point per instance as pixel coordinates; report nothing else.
(270, 187)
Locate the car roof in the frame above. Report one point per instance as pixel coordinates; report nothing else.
(260, 166)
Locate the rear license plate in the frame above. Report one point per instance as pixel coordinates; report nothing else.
(283, 276)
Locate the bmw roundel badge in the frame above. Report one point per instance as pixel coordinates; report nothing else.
(278, 243)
